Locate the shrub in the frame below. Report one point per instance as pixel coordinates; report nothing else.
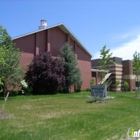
(78, 87)
(15, 92)
(88, 89)
(92, 81)
(105, 83)
(125, 85)
(116, 84)
(25, 88)
(45, 74)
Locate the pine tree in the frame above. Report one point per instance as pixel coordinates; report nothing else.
(72, 72)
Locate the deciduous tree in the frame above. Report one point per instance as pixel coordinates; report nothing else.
(104, 62)
(5, 39)
(10, 71)
(136, 67)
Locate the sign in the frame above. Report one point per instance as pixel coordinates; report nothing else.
(99, 91)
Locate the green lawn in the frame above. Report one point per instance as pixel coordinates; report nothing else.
(69, 117)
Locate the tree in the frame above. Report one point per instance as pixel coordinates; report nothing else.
(136, 67)
(72, 73)
(5, 39)
(45, 74)
(3, 34)
(104, 62)
(10, 71)
(2, 55)
(2, 62)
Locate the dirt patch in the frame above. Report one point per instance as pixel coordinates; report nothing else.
(49, 106)
(4, 116)
(138, 96)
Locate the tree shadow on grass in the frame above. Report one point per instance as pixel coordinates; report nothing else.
(2, 98)
(101, 101)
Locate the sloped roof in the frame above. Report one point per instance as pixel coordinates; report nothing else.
(64, 29)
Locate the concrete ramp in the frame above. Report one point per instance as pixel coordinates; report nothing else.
(105, 78)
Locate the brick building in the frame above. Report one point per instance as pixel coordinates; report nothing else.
(51, 39)
(120, 71)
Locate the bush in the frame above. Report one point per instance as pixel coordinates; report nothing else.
(105, 83)
(45, 74)
(25, 89)
(87, 90)
(116, 84)
(78, 87)
(92, 81)
(15, 92)
(125, 85)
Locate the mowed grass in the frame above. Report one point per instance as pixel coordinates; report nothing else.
(69, 117)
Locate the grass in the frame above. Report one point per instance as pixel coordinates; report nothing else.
(69, 117)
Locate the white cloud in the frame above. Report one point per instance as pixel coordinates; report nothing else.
(121, 37)
(125, 36)
(125, 50)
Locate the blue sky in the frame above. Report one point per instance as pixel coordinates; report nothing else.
(114, 23)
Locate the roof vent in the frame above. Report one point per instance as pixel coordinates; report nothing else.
(43, 24)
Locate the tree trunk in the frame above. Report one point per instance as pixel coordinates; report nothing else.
(5, 99)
